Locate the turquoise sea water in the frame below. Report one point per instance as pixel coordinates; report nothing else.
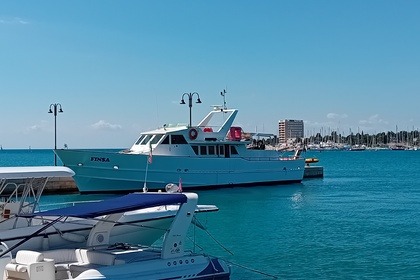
(28, 157)
(361, 221)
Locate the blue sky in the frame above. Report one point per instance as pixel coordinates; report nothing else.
(120, 67)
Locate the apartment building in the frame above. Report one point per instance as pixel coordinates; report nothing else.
(290, 129)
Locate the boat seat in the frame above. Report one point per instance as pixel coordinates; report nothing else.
(63, 258)
(30, 265)
(61, 255)
(89, 259)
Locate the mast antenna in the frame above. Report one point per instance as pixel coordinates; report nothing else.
(223, 93)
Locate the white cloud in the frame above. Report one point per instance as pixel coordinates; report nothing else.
(42, 126)
(374, 119)
(103, 125)
(35, 127)
(314, 123)
(335, 116)
(12, 20)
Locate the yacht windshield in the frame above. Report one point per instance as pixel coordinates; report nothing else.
(156, 139)
(140, 139)
(146, 139)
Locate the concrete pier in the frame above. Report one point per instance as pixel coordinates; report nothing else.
(313, 171)
(61, 185)
(55, 185)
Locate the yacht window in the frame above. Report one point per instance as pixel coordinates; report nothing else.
(166, 140)
(212, 150)
(203, 150)
(146, 139)
(227, 151)
(141, 138)
(156, 138)
(178, 139)
(195, 149)
(233, 150)
(221, 150)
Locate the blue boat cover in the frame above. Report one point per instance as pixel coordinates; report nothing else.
(124, 203)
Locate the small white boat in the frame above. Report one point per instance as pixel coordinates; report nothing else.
(21, 189)
(212, 154)
(358, 148)
(103, 260)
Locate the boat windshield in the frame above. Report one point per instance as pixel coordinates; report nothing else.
(156, 139)
(140, 139)
(146, 139)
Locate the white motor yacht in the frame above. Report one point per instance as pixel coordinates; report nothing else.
(214, 153)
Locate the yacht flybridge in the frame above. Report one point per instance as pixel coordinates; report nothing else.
(207, 155)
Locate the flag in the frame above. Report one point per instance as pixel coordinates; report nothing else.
(180, 185)
(150, 158)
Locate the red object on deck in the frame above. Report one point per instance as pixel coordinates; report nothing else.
(235, 133)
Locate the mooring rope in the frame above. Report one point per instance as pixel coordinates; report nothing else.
(199, 224)
(252, 269)
(211, 236)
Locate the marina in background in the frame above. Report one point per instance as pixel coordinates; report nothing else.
(398, 140)
(358, 221)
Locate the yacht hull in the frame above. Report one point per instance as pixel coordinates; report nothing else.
(98, 171)
(185, 267)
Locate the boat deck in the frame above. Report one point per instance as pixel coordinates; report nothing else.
(131, 255)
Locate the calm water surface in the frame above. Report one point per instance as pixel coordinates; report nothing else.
(361, 221)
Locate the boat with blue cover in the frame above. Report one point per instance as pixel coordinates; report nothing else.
(21, 190)
(101, 259)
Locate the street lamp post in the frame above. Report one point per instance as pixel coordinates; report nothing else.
(190, 96)
(53, 109)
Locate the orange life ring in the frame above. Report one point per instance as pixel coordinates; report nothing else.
(193, 133)
(311, 160)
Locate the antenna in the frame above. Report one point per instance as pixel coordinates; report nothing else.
(223, 93)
